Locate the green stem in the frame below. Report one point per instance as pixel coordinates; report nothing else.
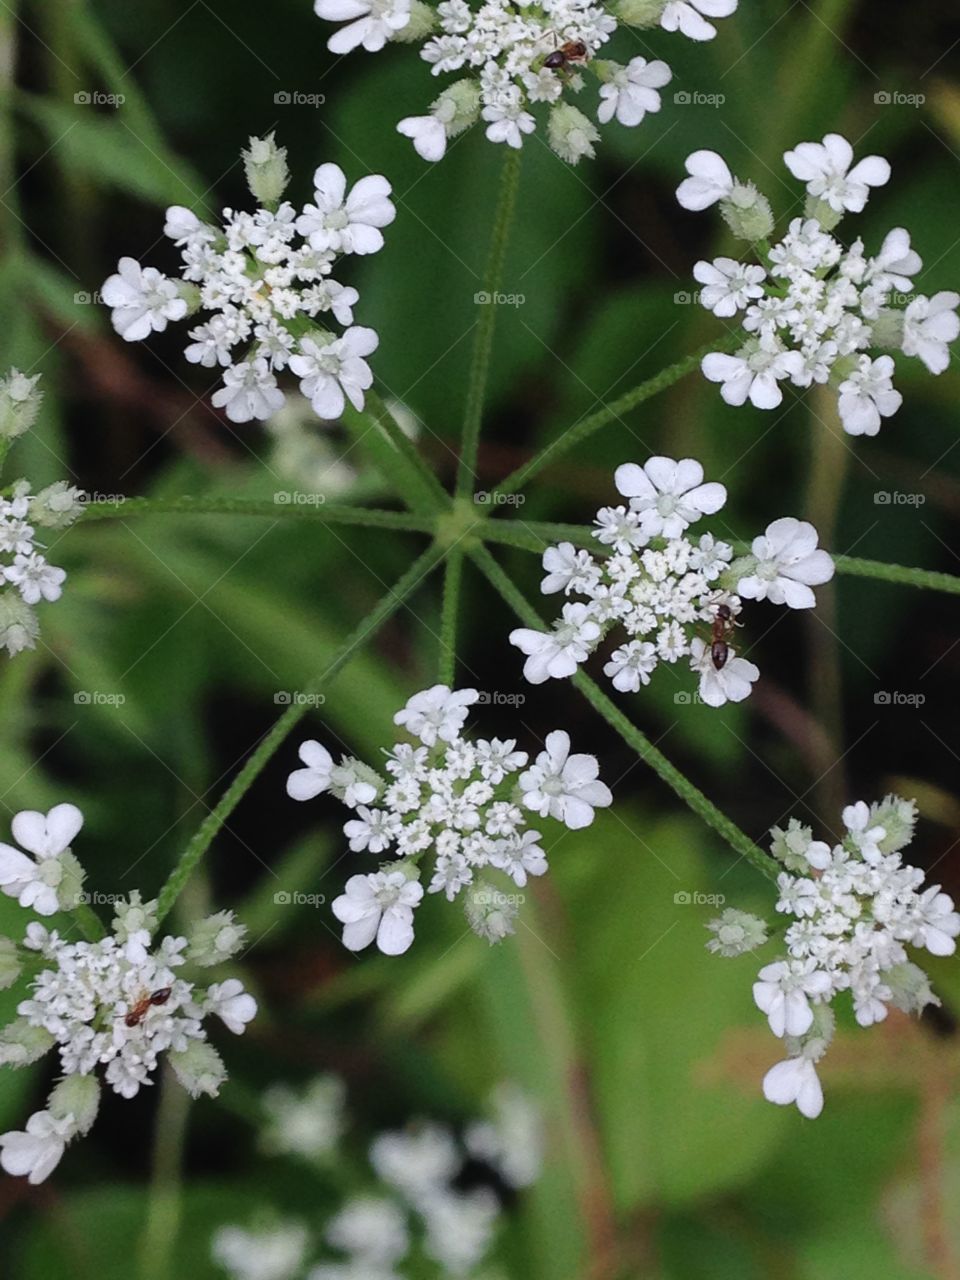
(214, 821)
(321, 512)
(738, 840)
(612, 412)
(89, 923)
(483, 341)
(395, 456)
(900, 573)
(452, 578)
(165, 1205)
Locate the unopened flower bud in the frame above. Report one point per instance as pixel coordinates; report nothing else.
(640, 13)
(898, 817)
(18, 623)
(70, 878)
(9, 963)
(77, 1097)
(736, 932)
(909, 987)
(815, 1042)
(21, 1044)
(265, 165)
(825, 214)
(458, 107)
(199, 1068)
(570, 133)
(886, 331)
(134, 916)
(790, 846)
(421, 22)
(19, 403)
(216, 938)
(57, 506)
(490, 913)
(747, 212)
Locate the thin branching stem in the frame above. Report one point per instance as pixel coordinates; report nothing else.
(483, 339)
(269, 744)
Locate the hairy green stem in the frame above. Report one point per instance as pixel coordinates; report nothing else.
(448, 621)
(738, 840)
(320, 512)
(573, 435)
(269, 744)
(483, 341)
(395, 456)
(164, 1212)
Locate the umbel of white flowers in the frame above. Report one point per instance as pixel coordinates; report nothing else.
(463, 803)
(115, 1004)
(676, 597)
(26, 576)
(856, 907)
(516, 56)
(816, 311)
(414, 1203)
(264, 281)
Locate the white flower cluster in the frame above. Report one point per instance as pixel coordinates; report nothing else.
(264, 280)
(856, 907)
(464, 802)
(816, 310)
(675, 596)
(26, 576)
(517, 54)
(414, 1208)
(117, 1003)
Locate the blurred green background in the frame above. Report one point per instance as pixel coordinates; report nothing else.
(645, 1052)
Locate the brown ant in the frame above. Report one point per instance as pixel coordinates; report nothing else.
(569, 54)
(721, 629)
(139, 1010)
